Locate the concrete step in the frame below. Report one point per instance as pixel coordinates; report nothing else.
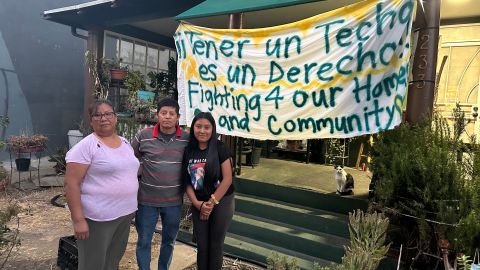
(300, 216)
(300, 240)
(257, 251)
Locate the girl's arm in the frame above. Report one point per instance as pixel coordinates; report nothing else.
(191, 195)
(226, 181)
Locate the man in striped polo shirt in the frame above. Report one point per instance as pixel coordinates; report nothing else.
(160, 150)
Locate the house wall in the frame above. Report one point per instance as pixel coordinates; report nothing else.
(459, 80)
(41, 72)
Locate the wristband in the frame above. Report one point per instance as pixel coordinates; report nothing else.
(201, 205)
(215, 201)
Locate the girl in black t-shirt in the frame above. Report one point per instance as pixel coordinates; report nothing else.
(208, 178)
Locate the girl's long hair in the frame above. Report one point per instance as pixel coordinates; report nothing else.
(212, 167)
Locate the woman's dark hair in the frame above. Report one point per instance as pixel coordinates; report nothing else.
(212, 167)
(92, 109)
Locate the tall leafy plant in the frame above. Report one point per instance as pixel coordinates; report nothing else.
(100, 77)
(165, 83)
(134, 81)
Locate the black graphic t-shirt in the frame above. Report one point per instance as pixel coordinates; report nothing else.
(194, 171)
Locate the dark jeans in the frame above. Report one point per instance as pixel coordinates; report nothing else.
(145, 222)
(210, 234)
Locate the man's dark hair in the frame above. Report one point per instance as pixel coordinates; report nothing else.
(168, 102)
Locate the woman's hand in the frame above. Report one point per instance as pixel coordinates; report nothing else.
(81, 229)
(73, 178)
(206, 210)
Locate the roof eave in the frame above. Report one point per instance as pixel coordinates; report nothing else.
(77, 7)
(212, 12)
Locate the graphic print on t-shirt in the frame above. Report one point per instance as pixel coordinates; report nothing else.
(196, 169)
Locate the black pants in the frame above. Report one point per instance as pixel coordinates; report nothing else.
(210, 234)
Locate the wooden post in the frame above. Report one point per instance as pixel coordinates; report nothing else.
(235, 21)
(94, 46)
(422, 87)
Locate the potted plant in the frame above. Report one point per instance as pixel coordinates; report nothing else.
(25, 143)
(117, 70)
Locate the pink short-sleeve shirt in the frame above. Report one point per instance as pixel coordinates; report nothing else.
(109, 189)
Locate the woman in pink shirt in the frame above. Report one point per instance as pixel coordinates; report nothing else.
(101, 187)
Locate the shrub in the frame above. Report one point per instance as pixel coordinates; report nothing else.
(367, 242)
(428, 181)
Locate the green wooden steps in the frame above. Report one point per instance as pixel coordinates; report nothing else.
(300, 216)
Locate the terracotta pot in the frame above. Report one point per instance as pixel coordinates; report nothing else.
(118, 74)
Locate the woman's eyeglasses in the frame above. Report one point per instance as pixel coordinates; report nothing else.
(107, 115)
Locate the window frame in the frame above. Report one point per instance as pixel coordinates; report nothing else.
(145, 67)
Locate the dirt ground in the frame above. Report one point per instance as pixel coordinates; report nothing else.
(41, 225)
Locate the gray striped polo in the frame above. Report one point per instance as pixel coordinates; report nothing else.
(161, 163)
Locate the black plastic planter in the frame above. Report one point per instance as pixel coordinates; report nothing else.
(23, 164)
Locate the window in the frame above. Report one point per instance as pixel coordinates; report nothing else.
(137, 54)
(126, 52)
(152, 57)
(163, 59)
(112, 47)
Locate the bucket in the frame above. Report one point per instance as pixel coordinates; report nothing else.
(74, 136)
(145, 95)
(23, 164)
(256, 153)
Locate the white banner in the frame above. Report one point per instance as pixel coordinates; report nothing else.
(339, 74)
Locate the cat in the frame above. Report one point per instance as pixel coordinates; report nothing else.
(345, 182)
